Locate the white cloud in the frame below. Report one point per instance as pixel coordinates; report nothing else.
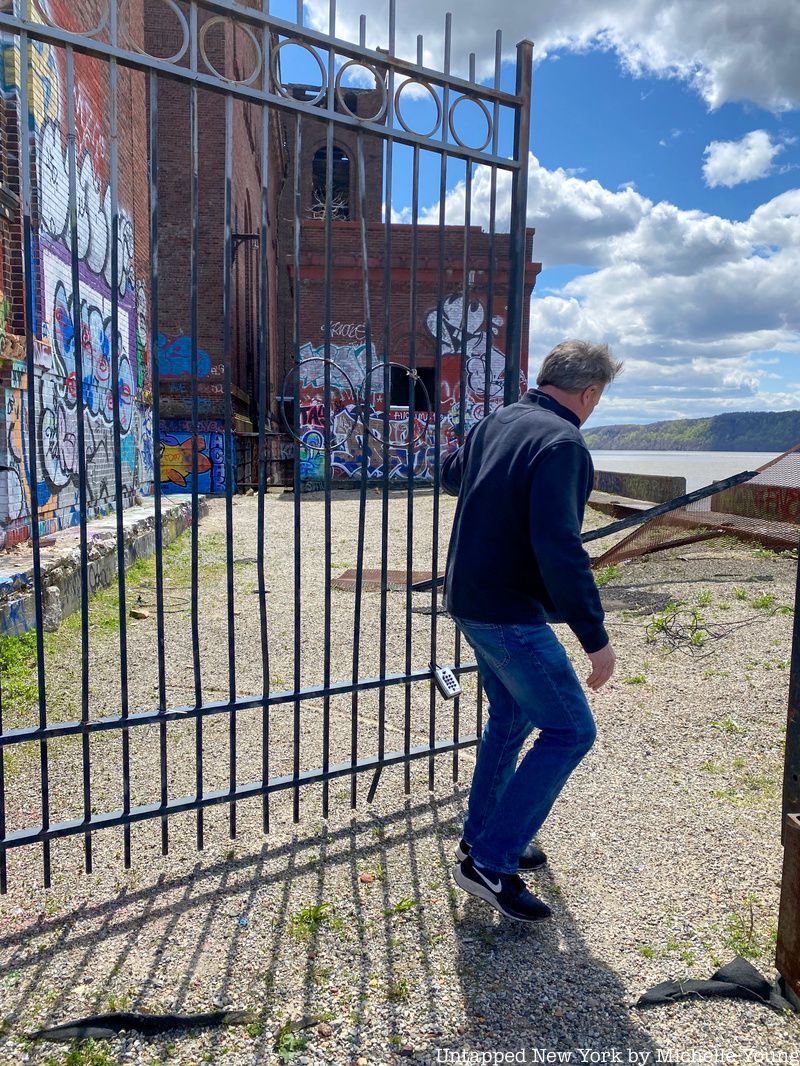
(729, 50)
(690, 301)
(730, 163)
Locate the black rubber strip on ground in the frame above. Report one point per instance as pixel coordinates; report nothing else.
(738, 979)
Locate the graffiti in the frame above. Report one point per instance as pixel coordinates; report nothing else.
(11, 347)
(93, 209)
(176, 459)
(59, 389)
(175, 358)
(176, 456)
(347, 331)
(469, 345)
(142, 335)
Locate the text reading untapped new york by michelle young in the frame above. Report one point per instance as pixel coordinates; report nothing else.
(593, 1057)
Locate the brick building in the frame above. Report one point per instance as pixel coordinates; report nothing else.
(54, 348)
(468, 335)
(231, 55)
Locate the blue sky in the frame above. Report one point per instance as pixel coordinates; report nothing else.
(665, 185)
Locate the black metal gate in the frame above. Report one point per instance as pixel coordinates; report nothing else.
(112, 216)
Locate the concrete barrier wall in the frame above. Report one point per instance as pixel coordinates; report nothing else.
(775, 503)
(658, 488)
(61, 574)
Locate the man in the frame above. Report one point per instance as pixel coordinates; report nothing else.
(515, 563)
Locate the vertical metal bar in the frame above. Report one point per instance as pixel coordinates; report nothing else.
(410, 458)
(791, 771)
(519, 206)
(462, 392)
(326, 665)
(437, 396)
(263, 399)
(229, 444)
(119, 498)
(365, 455)
(3, 857)
(387, 308)
(195, 550)
(26, 128)
(80, 397)
(157, 499)
(498, 59)
(298, 148)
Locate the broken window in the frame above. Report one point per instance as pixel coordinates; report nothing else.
(340, 196)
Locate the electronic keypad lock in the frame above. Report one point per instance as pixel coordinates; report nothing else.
(446, 681)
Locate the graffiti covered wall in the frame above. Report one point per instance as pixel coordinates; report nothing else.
(469, 348)
(55, 313)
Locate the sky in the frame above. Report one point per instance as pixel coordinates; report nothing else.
(664, 184)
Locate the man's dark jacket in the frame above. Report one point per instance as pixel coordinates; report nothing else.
(522, 479)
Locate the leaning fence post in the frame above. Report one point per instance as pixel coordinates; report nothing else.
(787, 953)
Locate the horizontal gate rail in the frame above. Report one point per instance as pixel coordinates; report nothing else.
(381, 61)
(243, 703)
(112, 819)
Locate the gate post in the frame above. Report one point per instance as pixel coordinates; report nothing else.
(787, 954)
(519, 222)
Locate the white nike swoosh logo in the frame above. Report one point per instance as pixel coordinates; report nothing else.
(494, 888)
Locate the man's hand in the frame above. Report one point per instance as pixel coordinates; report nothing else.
(603, 663)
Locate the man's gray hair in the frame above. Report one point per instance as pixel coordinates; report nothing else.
(575, 365)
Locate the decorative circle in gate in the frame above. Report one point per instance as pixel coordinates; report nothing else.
(283, 90)
(366, 407)
(49, 21)
(315, 430)
(223, 20)
(380, 83)
(124, 12)
(399, 112)
(451, 121)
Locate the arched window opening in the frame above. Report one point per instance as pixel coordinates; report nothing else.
(340, 198)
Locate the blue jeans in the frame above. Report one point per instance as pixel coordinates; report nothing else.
(530, 683)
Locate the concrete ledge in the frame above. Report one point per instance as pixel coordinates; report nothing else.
(618, 506)
(61, 561)
(657, 487)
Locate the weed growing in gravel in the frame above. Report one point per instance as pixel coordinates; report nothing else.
(608, 573)
(763, 602)
(727, 725)
(739, 934)
(402, 905)
(712, 766)
(740, 594)
(398, 990)
(305, 922)
(255, 1029)
(682, 948)
(635, 679)
(82, 1053)
(288, 1043)
(705, 598)
(723, 605)
(646, 950)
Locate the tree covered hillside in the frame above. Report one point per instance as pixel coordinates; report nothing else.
(746, 431)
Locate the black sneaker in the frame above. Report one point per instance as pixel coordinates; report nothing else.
(531, 859)
(507, 893)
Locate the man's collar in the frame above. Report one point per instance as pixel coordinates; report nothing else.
(541, 399)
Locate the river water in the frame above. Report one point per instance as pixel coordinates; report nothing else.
(699, 468)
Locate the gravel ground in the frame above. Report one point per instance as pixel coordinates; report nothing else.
(665, 855)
